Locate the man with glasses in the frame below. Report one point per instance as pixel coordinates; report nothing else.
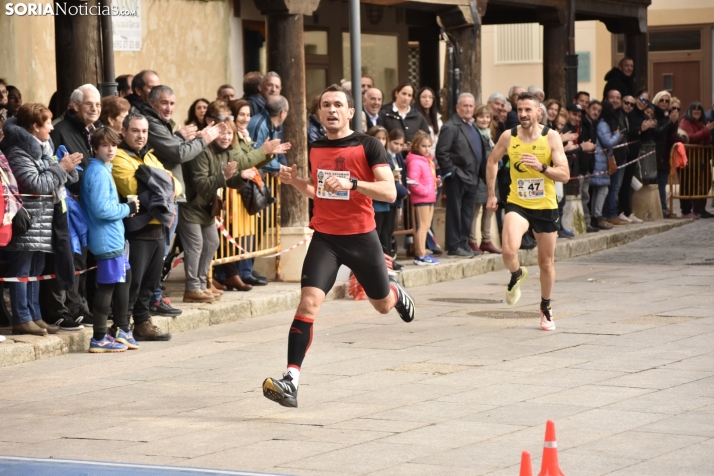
(637, 123)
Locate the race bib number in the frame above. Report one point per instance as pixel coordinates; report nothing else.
(531, 189)
(323, 175)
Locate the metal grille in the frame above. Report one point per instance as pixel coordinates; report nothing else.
(414, 64)
(519, 43)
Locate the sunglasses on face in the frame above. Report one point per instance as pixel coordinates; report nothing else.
(675, 108)
(628, 103)
(664, 100)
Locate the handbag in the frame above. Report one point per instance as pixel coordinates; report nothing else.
(611, 164)
(21, 222)
(216, 206)
(255, 198)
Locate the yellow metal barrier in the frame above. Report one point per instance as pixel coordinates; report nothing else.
(695, 180)
(258, 235)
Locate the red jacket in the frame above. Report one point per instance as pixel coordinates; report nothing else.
(697, 132)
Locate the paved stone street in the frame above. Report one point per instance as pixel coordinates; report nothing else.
(628, 377)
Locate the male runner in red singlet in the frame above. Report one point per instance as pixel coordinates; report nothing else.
(347, 171)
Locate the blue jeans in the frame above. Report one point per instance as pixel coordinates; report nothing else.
(25, 297)
(245, 266)
(167, 241)
(610, 209)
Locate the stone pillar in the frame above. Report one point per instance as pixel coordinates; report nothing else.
(636, 47)
(78, 49)
(286, 56)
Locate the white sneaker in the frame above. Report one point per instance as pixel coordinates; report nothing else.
(624, 218)
(633, 219)
(546, 321)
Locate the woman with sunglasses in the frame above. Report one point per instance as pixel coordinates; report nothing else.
(700, 134)
(665, 135)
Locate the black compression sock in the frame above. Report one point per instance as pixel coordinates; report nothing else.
(544, 304)
(515, 276)
(299, 340)
(99, 335)
(125, 328)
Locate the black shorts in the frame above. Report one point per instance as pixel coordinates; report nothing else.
(542, 221)
(361, 253)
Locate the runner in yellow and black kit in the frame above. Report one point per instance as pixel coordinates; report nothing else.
(537, 161)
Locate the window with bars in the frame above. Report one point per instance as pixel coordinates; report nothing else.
(519, 43)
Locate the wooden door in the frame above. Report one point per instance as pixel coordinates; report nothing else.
(681, 78)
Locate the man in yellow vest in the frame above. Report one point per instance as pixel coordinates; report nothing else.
(537, 161)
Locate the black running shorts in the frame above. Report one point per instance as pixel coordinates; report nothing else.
(542, 221)
(361, 253)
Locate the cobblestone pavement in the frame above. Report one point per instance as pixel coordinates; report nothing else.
(628, 377)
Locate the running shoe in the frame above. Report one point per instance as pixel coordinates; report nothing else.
(87, 320)
(513, 292)
(108, 344)
(126, 338)
(426, 260)
(633, 219)
(66, 323)
(405, 302)
(546, 320)
(282, 391)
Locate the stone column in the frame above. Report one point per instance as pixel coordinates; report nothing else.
(78, 49)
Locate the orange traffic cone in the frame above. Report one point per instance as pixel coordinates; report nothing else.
(526, 467)
(549, 465)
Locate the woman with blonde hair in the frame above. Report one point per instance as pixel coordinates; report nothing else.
(665, 136)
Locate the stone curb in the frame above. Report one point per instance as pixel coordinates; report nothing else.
(19, 349)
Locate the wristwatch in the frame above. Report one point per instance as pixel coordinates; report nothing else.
(545, 167)
(354, 183)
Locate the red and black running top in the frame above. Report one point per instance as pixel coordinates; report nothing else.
(354, 156)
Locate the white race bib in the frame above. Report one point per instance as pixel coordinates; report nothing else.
(323, 175)
(531, 189)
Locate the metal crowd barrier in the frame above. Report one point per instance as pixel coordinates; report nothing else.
(257, 235)
(695, 180)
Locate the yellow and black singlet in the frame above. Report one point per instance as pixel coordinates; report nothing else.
(530, 188)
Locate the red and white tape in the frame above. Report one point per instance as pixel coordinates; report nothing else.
(227, 236)
(30, 279)
(603, 172)
(296, 245)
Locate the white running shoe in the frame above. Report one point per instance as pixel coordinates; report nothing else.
(623, 217)
(546, 320)
(633, 219)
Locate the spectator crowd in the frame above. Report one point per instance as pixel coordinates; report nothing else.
(112, 182)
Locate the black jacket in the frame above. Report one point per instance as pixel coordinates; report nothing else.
(665, 136)
(136, 103)
(617, 80)
(455, 154)
(588, 132)
(634, 132)
(371, 124)
(72, 133)
(411, 123)
(37, 174)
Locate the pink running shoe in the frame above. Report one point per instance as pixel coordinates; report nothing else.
(546, 320)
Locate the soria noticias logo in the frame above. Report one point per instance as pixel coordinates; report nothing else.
(61, 8)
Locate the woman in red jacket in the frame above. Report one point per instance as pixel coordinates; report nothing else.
(696, 184)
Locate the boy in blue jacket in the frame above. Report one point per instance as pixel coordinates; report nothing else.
(105, 234)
